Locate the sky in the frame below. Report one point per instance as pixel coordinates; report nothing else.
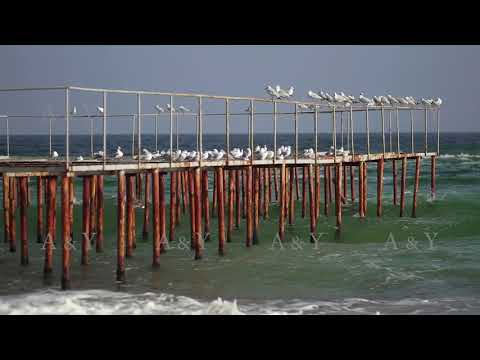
(448, 72)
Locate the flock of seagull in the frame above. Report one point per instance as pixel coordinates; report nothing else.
(347, 100)
(262, 152)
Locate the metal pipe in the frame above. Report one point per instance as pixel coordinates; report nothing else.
(334, 136)
(368, 132)
(171, 131)
(341, 127)
(390, 129)
(133, 135)
(200, 129)
(104, 129)
(411, 130)
(315, 125)
(426, 132)
(156, 132)
(398, 131)
(176, 129)
(274, 131)
(227, 128)
(67, 125)
(8, 137)
(383, 131)
(296, 132)
(139, 127)
(438, 132)
(251, 127)
(351, 129)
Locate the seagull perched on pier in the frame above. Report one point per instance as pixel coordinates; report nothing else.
(100, 109)
(74, 111)
(284, 94)
(118, 153)
(147, 155)
(170, 108)
(314, 95)
(363, 99)
(159, 108)
(54, 154)
(427, 102)
(98, 154)
(403, 101)
(437, 102)
(183, 109)
(392, 99)
(272, 92)
(79, 158)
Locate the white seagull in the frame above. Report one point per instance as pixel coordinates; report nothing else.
(54, 154)
(118, 153)
(159, 108)
(437, 102)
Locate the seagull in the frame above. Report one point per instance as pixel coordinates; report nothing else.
(118, 153)
(437, 102)
(411, 100)
(364, 99)
(328, 97)
(100, 109)
(79, 158)
(392, 99)
(282, 93)
(159, 108)
(403, 101)
(272, 92)
(74, 111)
(338, 98)
(148, 155)
(98, 154)
(314, 95)
(54, 154)
(427, 102)
(290, 91)
(377, 100)
(170, 108)
(384, 100)
(183, 109)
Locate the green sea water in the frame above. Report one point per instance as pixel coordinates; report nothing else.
(428, 264)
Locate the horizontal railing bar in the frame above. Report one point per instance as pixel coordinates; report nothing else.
(203, 114)
(34, 88)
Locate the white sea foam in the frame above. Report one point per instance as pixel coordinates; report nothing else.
(459, 156)
(100, 302)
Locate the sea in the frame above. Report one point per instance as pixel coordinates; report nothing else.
(373, 266)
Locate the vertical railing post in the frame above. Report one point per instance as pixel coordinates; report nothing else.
(200, 131)
(251, 130)
(91, 134)
(315, 126)
(334, 136)
(274, 132)
(367, 125)
(133, 135)
(171, 130)
(341, 128)
(139, 127)
(383, 129)
(67, 126)
(227, 128)
(390, 130)
(398, 131)
(8, 137)
(176, 130)
(104, 129)
(426, 132)
(438, 132)
(50, 116)
(411, 130)
(296, 132)
(156, 132)
(351, 129)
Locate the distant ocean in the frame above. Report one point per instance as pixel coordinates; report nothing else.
(388, 265)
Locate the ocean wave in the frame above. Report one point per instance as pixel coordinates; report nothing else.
(459, 156)
(101, 302)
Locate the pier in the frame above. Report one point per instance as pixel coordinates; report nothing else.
(243, 188)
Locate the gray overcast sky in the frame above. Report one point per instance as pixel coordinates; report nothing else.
(450, 72)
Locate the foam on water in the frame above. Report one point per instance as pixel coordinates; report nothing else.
(100, 302)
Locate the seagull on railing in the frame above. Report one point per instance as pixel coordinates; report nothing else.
(284, 94)
(303, 106)
(392, 99)
(314, 95)
(98, 154)
(384, 100)
(159, 108)
(79, 158)
(183, 109)
(100, 109)
(377, 100)
(170, 108)
(147, 155)
(364, 100)
(272, 92)
(74, 111)
(54, 155)
(437, 102)
(118, 153)
(402, 100)
(427, 102)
